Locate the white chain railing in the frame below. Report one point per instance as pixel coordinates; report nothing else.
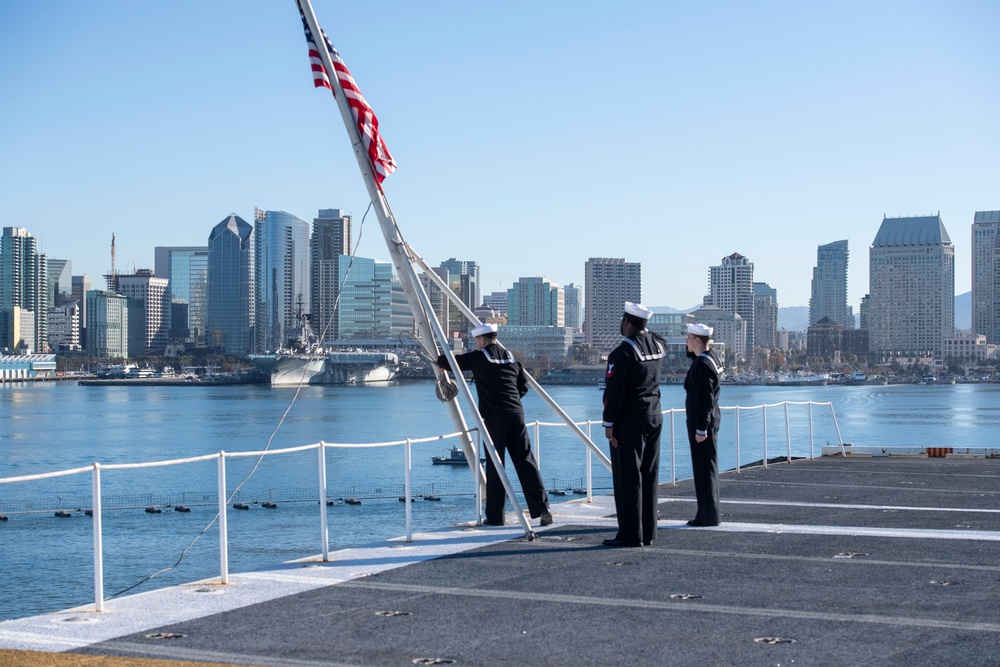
(223, 498)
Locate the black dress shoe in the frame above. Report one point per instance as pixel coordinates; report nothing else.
(620, 543)
(647, 543)
(699, 524)
(492, 523)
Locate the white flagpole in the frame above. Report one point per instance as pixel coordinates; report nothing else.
(428, 329)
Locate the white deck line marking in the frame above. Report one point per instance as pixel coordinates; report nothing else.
(679, 606)
(859, 486)
(848, 506)
(792, 529)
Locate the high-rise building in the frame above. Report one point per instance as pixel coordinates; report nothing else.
(730, 287)
(186, 269)
(573, 295)
(282, 276)
(230, 322)
(765, 315)
(608, 283)
(440, 304)
(986, 275)
(535, 302)
(149, 311)
(64, 327)
(23, 290)
(464, 281)
(366, 302)
(497, 301)
(331, 238)
(59, 282)
(911, 308)
(829, 286)
(81, 285)
(107, 325)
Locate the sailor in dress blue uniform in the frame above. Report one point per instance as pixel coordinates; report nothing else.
(632, 423)
(500, 384)
(702, 408)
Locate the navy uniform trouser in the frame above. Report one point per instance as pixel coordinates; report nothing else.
(705, 470)
(635, 467)
(510, 435)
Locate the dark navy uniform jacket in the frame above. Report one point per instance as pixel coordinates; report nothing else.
(702, 387)
(499, 378)
(632, 381)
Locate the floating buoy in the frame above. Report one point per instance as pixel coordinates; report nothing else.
(269, 505)
(154, 510)
(62, 514)
(182, 508)
(352, 501)
(429, 497)
(240, 506)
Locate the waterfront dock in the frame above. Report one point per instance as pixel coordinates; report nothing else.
(833, 561)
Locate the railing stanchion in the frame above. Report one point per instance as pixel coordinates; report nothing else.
(538, 447)
(812, 452)
(843, 452)
(406, 490)
(763, 410)
(481, 481)
(223, 524)
(737, 440)
(323, 516)
(95, 507)
(589, 467)
(673, 459)
(788, 434)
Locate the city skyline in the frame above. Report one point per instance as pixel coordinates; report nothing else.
(730, 128)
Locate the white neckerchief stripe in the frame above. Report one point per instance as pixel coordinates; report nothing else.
(508, 359)
(647, 357)
(711, 360)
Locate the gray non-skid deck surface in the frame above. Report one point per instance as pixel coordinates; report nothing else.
(920, 589)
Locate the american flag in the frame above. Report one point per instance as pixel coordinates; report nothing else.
(378, 153)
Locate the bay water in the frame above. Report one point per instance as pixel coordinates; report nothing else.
(52, 426)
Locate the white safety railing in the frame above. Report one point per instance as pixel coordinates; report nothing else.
(224, 498)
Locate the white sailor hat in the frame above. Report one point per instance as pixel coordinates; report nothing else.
(700, 329)
(483, 329)
(638, 310)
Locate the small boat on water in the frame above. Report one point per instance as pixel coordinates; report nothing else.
(455, 457)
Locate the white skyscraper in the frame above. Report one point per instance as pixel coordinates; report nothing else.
(911, 307)
(730, 287)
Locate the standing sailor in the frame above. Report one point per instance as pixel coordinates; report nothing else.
(500, 384)
(632, 423)
(702, 408)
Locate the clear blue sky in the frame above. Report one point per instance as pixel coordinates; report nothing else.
(529, 135)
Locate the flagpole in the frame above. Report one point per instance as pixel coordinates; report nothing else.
(428, 329)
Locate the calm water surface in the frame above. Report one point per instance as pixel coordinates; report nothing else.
(45, 427)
